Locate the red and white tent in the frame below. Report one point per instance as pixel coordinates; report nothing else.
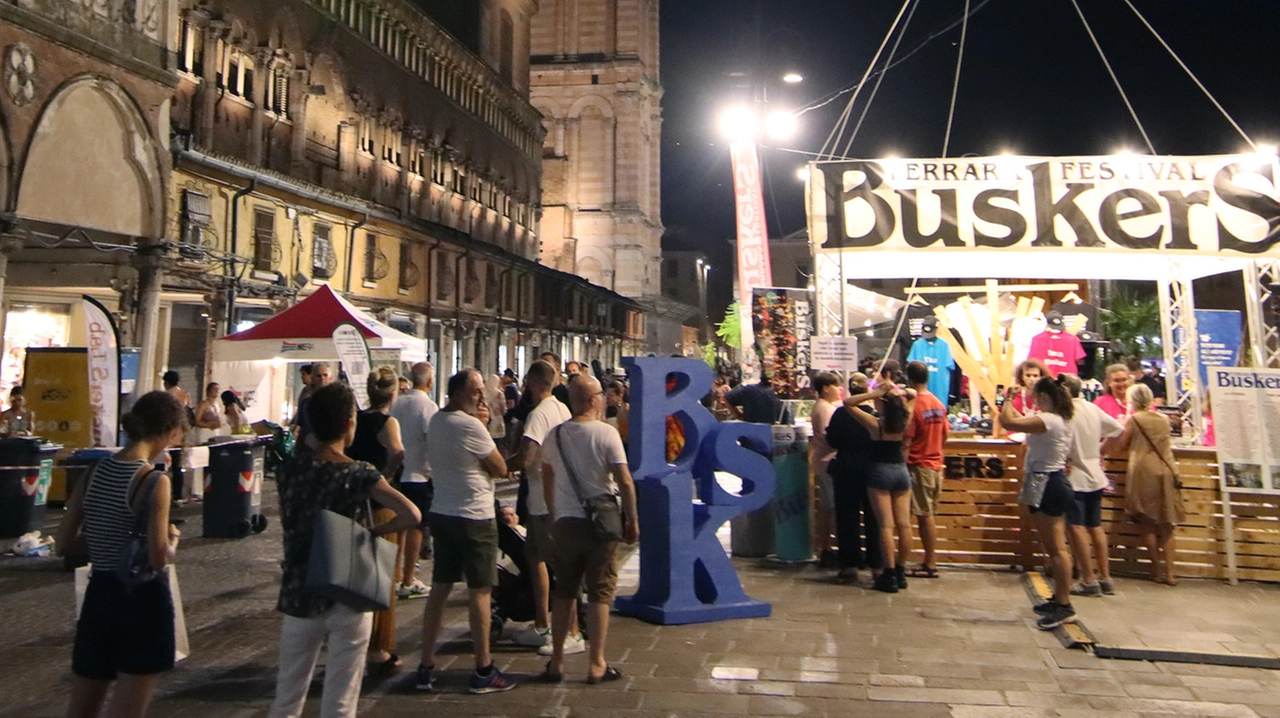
(303, 333)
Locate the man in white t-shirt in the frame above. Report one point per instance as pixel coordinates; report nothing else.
(548, 412)
(584, 457)
(414, 409)
(1090, 425)
(464, 462)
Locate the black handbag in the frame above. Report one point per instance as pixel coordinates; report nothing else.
(602, 510)
(134, 565)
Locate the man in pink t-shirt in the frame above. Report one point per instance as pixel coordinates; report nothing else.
(1114, 404)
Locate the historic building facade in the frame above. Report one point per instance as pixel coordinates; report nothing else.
(594, 78)
(257, 150)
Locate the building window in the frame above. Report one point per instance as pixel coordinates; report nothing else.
(323, 258)
(416, 162)
(391, 141)
(366, 137)
(278, 92)
(191, 49)
(506, 53)
(491, 288)
(264, 240)
(410, 275)
(438, 169)
(506, 206)
(197, 216)
(475, 190)
(491, 201)
(459, 182)
(375, 262)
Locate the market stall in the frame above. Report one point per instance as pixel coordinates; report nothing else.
(253, 363)
(1004, 220)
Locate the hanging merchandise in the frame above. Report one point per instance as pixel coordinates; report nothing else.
(1058, 350)
(936, 355)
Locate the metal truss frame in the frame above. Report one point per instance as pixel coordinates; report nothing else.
(1262, 282)
(829, 284)
(1181, 342)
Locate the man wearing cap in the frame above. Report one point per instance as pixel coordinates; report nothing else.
(1058, 350)
(935, 354)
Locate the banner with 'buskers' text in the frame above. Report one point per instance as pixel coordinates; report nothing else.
(1201, 206)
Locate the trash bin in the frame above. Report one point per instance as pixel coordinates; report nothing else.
(26, 469)
(77, 466)
(750, 533)
(792, 509)
(233, 488)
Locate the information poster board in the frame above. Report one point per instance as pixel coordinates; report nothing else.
(353, 352)
(1221, 335)
(1246, 415)
(834, 353)
(57, 386)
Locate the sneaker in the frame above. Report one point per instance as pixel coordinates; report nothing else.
(495, 682)
(425, 679)
(887, 581)
(1087, 589)
(417, 589)
(828, 559)
(900, 573)
(1057, 616)
(533, 637)
(1108, 589)
(1043, 608)
(573, 645)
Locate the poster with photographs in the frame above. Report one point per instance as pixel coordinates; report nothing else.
(1246, 415)
(780, 319)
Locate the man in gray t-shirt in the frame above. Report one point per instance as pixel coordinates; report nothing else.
(581, 458)
(414, 409)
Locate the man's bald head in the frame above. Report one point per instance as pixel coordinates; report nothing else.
(583, 390)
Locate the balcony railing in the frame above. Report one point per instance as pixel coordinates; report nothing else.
(135, 28)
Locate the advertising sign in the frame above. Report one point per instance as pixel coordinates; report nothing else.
(1140, 205)
(834, 353)
(57, 385)
(1221, 335)
(1246, 415)
(780, 319)
(754, 269)
(353, 352)
(104, 372)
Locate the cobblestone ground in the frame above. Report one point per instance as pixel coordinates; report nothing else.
(963, 645)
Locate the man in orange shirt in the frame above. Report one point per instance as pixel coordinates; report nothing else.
(926, 434)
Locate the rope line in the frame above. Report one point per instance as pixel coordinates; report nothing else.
(955, 85)
(872, 97)
(1114, 79)
(1192, 75)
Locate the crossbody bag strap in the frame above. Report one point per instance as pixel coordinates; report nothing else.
(143, 484)
(1154, 448)
(564, 459)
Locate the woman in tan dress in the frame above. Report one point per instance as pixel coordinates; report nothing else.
(1152, 494)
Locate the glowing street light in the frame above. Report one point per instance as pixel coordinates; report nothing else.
(792, 78)
(781, 125)
(802, 174)
(739, 124)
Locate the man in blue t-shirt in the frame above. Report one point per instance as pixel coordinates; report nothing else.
(936, 355)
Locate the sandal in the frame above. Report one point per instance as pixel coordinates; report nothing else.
(923, 572)
(387, 667)
(550, 676)
(610, 674)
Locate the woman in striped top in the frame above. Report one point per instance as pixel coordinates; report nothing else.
(123, 633)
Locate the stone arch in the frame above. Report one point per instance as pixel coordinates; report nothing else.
(549, 108)
(596, 101)
(93, 162)
(590, 269)
(6, 167)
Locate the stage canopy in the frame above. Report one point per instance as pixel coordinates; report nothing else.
(303, 333)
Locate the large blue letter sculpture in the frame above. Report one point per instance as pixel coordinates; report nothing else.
(685, 575)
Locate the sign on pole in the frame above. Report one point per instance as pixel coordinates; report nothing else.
(834, 353)
(104, 372)
(754, 269)
(353, 352)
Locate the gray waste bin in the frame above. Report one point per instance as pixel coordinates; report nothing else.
(751, 533)
(26, 470)
(233, 487)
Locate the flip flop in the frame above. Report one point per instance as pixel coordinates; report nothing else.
(550, 676)
(923, 572)
(610, 674)
(387, 667)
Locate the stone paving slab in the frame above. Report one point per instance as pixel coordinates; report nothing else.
(964, 645)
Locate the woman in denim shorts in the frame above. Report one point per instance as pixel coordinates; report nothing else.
(888, 482)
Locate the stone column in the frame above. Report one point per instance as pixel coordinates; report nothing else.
(148, 261)
(213, 31)
(347, 141)
(9, 243)
(262, 62)
(298, 96)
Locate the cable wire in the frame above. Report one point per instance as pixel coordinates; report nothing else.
(1114, 79)
(1192, 75)
(955, 86)
(867, 107)
(874, 61)
(893, 340)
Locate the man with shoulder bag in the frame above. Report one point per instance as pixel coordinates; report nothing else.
(589, 490)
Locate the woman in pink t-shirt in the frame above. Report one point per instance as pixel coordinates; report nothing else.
(1115, 404)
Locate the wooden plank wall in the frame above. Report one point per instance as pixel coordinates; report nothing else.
(980, 522)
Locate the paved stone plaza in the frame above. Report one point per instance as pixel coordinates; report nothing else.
(963, 645)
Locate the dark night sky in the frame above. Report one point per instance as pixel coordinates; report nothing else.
(1031, 83)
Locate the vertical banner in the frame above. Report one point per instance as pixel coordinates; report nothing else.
(780, 320)
(754, 269)
(353, 352)
(104, 372)
(1221, 336)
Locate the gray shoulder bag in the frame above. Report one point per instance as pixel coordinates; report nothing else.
(602, 510)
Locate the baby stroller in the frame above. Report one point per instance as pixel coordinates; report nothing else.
(513, 596)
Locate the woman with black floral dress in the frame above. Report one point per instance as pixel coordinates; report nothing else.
(312, 482)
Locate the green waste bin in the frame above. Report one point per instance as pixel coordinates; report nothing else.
(26, 470)
(792, 510)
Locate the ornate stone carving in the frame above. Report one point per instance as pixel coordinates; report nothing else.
(20, 73)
